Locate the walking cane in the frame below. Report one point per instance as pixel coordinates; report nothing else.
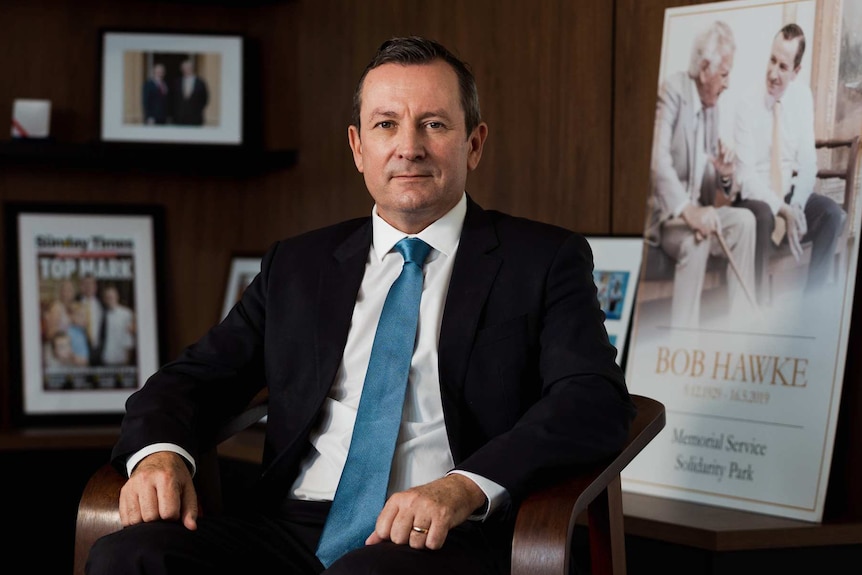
(735, 269)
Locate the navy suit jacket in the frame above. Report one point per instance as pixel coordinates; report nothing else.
(527, 374)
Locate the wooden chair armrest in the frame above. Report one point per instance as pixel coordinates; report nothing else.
(98, 508)
(98, 512)
(541, 544)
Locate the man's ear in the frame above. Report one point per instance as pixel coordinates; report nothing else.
(355, 146)
(477, 143)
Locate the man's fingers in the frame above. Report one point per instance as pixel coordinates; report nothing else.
(190, 507)
(384, 525)
(795, 247)
(431, 537)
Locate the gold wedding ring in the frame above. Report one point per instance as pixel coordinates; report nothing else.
(420, 529)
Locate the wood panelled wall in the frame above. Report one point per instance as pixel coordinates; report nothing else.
(545, 77)
(568, 89)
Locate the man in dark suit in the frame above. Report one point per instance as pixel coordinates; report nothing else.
(191, 96)
(512, 376)
(155, 97)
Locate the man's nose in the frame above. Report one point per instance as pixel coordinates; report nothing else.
(771, 72)
(411, 143)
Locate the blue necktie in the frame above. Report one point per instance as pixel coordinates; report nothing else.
(361, 490)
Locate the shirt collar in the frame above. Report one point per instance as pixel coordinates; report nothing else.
(695, 97)
(443, 235)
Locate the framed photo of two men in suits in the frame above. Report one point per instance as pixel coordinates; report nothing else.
(172, 88)
(84, 308)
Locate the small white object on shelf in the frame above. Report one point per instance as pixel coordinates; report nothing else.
(31, 118)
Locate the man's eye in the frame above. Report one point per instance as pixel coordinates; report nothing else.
(384, 124)
(435, 125)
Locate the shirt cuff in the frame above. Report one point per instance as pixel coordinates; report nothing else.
(495, 495)
(136, 458)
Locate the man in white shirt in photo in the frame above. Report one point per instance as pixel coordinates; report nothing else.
(777, 161)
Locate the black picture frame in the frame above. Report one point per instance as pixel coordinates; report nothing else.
(134, 111)
(52, 250)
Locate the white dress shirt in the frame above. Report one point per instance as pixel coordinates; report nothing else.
(701, 119)
(798, 152)
(119, 338)
(422, 452)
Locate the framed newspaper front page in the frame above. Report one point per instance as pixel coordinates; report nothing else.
(84, 327)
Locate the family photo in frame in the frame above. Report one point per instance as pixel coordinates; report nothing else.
(85, 306)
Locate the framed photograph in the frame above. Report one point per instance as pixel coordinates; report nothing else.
(172, 88)
(617, 262)
(242, 271)
(84, 308)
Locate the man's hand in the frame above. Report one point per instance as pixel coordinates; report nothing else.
(160, 488)
(723, 161)
(801, 222)
(794, 236)
(703, 220)
(437, 506)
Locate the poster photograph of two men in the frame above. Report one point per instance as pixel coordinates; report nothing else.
(750, 252)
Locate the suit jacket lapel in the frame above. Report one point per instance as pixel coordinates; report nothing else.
(339, 283)
(473, 275)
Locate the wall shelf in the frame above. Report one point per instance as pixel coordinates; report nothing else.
(72, 437)
(213, 159)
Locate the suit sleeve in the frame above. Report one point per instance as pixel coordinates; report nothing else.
(187, 399)
(669, 191)
(583, 409)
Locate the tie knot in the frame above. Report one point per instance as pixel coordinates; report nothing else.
(413, 250)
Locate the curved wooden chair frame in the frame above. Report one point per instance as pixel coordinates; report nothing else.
(542, 542)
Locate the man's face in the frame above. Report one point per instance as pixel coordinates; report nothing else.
(780, 70)
(413, 148)
(111, 298)
(88, 286)
(711, 84)
(159, 71)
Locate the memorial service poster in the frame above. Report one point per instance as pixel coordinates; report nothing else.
(749, 360)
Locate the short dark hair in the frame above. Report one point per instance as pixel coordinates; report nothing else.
(789, 32)
(416, 50)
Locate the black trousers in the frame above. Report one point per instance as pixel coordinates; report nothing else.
(282, 543)
(825, 220)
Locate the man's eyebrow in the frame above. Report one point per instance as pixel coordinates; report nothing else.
(434, 113)
(383, 112)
